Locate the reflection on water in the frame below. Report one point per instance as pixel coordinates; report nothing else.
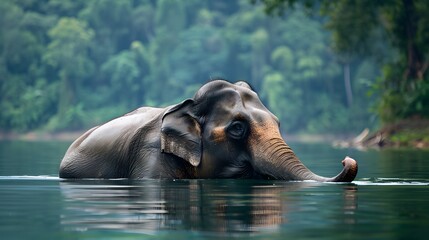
(350, 204)
(43, 207)
(200, 205)
(388, 200)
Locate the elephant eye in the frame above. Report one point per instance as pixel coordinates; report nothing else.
(237, 130)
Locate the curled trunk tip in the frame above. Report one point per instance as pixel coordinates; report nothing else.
(349, 172)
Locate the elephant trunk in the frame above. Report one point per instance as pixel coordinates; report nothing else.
(274, 158)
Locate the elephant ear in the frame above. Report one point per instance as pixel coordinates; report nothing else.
(181, 133)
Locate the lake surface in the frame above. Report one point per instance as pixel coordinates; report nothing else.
(388, 200)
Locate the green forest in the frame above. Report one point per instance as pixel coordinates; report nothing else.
(320, 66)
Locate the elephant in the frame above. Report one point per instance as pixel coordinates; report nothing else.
(224, 131)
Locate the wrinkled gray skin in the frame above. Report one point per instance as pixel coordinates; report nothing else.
(224, 131)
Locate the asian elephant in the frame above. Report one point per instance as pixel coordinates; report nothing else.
(224, 131)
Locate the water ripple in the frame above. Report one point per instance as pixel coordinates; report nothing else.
(392, 182)
(360, 182)
(27, 177)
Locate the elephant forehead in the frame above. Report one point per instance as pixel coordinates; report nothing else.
(234, 98)
(219, 90)
(224, 101)
(212, 86)
(227, 96)
(238, 105)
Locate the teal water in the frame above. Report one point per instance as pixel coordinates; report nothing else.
(388, 200)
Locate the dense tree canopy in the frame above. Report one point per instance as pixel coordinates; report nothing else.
(395, 32)
(67, 64)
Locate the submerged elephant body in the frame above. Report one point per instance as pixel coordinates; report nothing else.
(224, 131)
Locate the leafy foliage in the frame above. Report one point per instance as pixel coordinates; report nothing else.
(395, 33)
(67, 65)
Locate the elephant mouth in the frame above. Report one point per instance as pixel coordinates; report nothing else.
(245, 170)
(265, 176)
(241, 170)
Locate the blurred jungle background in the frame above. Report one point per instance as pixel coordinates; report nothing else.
(320, 66)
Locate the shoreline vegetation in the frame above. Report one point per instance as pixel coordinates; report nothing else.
(409, 133)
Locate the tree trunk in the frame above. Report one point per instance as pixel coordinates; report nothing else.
(415, 67)
(348, 85)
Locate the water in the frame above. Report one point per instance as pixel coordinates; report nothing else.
(388, 200)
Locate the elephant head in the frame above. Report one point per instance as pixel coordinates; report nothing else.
(226, 131)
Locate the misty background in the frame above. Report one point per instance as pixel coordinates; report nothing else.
(67, 65)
